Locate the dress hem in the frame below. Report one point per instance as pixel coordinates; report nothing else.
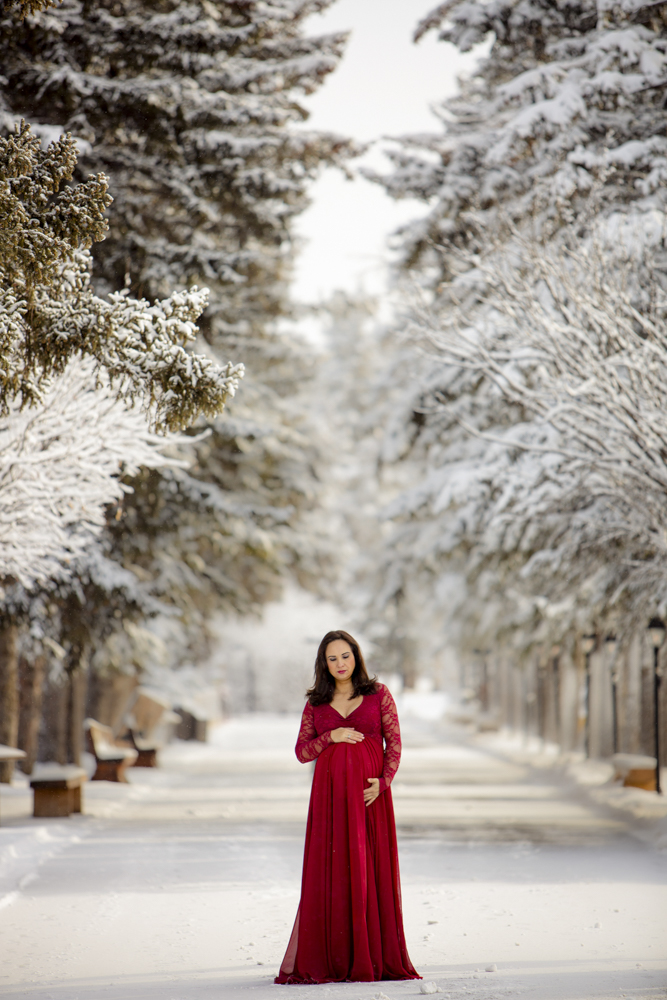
(299, 981)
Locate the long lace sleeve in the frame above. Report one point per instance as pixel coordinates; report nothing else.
(391, 731)
(309, 745)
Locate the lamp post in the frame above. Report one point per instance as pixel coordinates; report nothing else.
(656, 630)
(542, 680)
(588, 645)
(555, 665)
(610, 643)
(483, 685)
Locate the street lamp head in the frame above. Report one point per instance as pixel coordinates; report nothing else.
(656, 630)
(588, 643)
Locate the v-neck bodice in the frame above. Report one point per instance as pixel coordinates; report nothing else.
(345, 717)
(375, 717)
(365, 718)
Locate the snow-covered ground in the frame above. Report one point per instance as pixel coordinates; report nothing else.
(184, 884)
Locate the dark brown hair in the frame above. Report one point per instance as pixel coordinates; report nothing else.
(323, 689)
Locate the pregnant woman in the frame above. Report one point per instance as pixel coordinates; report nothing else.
(349, 925)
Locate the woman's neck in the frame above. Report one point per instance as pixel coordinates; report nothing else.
(344, 688)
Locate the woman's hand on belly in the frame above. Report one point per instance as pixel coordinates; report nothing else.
(370, 794)
(344, 735)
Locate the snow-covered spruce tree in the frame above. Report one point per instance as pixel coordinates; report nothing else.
(50, 314)
(571, 91)
(189, 108)
(221, 536)
(568, 100)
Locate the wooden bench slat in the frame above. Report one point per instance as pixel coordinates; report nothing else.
(56, 783)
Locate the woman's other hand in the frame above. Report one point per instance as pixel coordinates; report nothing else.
(370, 794)
(343, 735)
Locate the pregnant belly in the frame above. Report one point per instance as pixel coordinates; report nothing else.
(350, 764)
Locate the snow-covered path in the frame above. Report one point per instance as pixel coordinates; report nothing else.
(185, 883)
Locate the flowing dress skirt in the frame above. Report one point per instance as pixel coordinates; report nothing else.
(349, 926)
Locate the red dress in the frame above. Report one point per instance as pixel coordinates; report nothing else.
(349, 925)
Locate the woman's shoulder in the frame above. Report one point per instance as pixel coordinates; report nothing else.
(310, 709)
(383, 693)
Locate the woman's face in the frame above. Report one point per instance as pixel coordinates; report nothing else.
(340, 660)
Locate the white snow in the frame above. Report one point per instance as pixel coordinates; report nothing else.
(184, 884)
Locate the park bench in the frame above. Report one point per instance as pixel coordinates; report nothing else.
(146, 751)
(635, 770)
(111, 760)
(10, 753)
(191, 726)
(57, 789)
(148, 723)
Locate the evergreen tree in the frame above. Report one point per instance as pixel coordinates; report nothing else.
(571, 93)
(557, 140)
(187, 108)
(50, 314)
(191, 110)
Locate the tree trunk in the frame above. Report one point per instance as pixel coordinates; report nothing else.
(76, 709)
(9, 694)
(569, 707)
(108, 697)
(31, 689)
(53, 736)
(630, 698)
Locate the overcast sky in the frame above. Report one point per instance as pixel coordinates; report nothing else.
(383, 86)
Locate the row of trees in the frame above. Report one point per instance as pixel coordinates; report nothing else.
(530, 425)
(166, 134)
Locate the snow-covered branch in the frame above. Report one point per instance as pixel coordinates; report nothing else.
(61, 465)
(575, 336)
